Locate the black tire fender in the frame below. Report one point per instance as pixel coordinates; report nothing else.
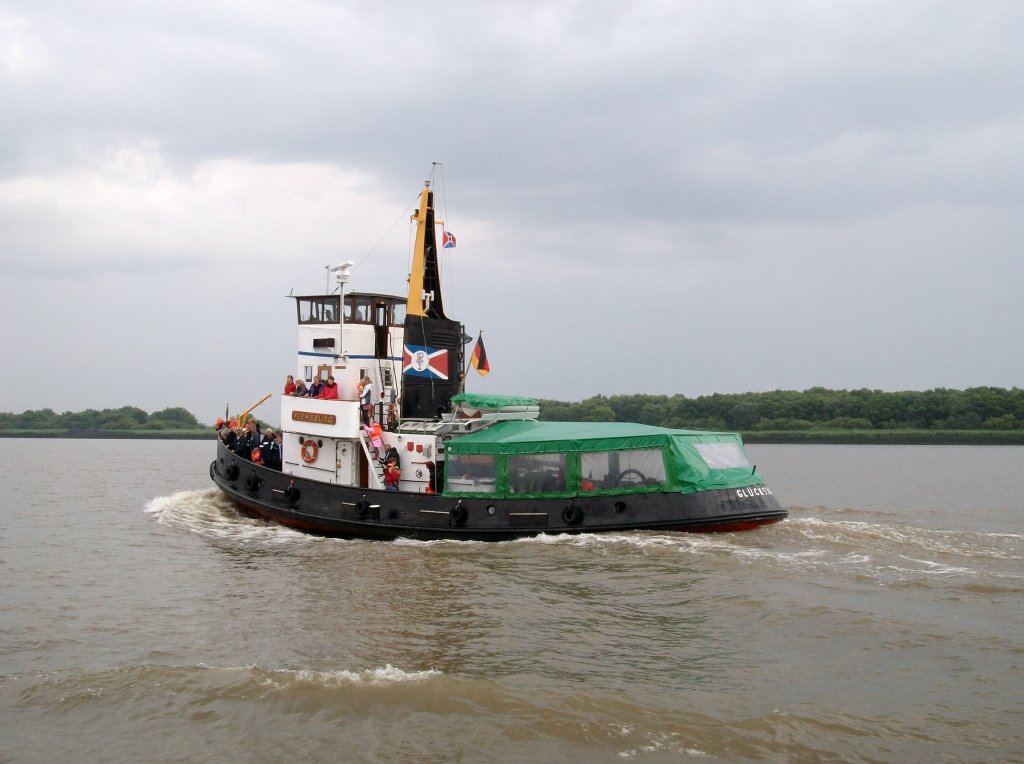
(572, 515)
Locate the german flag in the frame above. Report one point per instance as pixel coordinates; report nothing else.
(479, 359)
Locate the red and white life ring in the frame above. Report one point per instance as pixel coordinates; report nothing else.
(310, 451)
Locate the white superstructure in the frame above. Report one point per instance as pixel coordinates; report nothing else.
(324, 439)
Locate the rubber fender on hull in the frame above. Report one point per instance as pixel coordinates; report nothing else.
(231, 472)
(458, 515)
(572, 515)
(362, 509)
(292, 494)
(252, 483)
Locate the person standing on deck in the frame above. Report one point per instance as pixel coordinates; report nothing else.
(366, 401)
(330, 390)
(226, 433)
(247, 441)
(392, 475)
(270, 451)
(374, 432)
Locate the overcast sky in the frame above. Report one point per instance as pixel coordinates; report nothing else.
(649, 196)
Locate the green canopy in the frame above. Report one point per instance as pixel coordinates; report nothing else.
(480, 401)
(656, 458)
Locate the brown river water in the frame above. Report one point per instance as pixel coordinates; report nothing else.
(144, 620)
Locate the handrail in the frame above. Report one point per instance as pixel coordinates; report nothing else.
(376, 470)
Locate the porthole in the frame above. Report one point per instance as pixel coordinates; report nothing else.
(620, 506)
(491, 510)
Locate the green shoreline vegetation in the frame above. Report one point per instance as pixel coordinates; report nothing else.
(124, 422)
(975, 416)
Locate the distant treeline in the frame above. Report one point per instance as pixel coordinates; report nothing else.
(124, 419)
(977, 408)
(928, 415)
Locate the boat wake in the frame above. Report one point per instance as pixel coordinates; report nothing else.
(879, 550)
(904, 539)
(412, 708)
(860, 545)
(202, 686)
(256, 710)
(871, 548)
(210, 514)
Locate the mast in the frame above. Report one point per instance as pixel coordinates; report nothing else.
(432, 358)
(425, 276)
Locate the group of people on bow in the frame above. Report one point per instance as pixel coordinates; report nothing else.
(245, 442)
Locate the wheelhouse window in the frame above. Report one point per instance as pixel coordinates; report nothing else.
(471, 473)
(317, 310)
(722, 456)
(398, 314)
(362, 310)
(536, 473)
(603, 470)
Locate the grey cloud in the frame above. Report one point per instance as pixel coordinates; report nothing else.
(800, 160)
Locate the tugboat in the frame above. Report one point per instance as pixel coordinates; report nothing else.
(466, 466)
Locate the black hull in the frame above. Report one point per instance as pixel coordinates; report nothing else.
(337, 510)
